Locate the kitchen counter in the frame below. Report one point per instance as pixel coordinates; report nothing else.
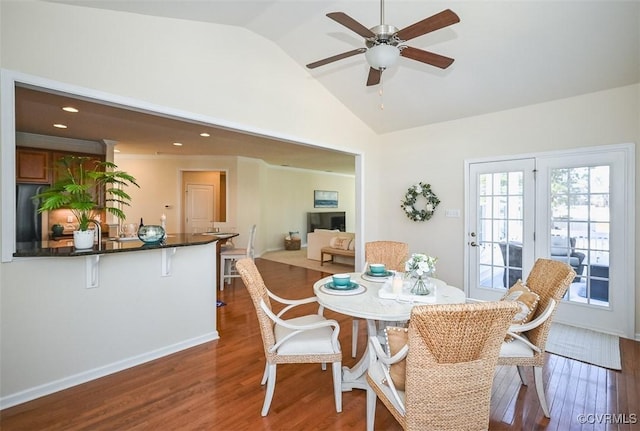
(64, 246)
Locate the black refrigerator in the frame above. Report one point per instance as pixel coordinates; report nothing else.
(28, 220)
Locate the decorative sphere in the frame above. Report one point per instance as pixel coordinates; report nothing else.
(151, 234)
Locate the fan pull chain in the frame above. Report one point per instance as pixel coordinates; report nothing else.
(381, 94)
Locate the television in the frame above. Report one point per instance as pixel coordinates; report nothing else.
(326, 220)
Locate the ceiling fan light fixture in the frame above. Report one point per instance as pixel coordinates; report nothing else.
(382, 56)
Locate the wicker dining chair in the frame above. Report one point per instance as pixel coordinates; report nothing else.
(305, 339)
(550, 279)
(451, 357)
(394, 255)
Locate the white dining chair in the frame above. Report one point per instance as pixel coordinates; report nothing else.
(229, 257)
(305, 339)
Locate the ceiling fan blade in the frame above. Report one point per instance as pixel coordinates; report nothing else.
(374, 76)
(335, 58)
(351, 24)
(431, 58)
(427, 25)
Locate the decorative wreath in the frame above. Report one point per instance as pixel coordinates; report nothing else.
(409, 202)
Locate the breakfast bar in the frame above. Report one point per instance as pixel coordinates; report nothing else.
(96, 312)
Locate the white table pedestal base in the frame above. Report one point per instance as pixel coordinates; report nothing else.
(354, 377)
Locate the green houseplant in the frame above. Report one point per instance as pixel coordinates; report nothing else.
(80, 183)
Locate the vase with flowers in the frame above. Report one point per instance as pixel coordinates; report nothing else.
(421, 267)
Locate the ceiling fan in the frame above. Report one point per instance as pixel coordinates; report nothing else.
(384, 43)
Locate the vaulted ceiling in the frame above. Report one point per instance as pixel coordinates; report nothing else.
(507, 54)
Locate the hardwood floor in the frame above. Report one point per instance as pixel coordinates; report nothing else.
(216, 386)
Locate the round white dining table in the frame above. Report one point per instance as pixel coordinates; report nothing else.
(365, 303)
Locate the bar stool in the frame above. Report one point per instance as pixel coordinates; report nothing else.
(229, 257)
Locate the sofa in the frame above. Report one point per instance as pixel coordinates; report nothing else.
(322, 238)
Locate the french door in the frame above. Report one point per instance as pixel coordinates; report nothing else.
(501, 214)
(576, 208)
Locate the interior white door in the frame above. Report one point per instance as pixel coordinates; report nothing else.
(500, 225)
(582, 219)
(200, 208)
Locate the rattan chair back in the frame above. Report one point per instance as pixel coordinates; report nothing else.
(392, 253)
(453, 351)
(550, 279)
(259, 293)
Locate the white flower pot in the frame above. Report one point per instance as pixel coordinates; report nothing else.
(83, 239)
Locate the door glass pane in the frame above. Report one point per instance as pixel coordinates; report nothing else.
(580, 222)
(500, 228)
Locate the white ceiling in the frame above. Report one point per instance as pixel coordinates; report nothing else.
(507, 54)
(136, 132)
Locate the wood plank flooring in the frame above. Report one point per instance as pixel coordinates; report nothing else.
(216, 386)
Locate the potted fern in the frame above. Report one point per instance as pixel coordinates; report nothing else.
(80, 183)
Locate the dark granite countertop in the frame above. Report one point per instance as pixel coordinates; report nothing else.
(64, 246)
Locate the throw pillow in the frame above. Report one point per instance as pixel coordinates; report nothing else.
(396, 339)
(339, 243)
(526, 299)
(294, 235)
(352, 244)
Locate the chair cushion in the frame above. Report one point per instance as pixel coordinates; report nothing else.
(526, 299)
(515, 349)
(341, 243)
(377, 375)
(314, 341)
(396, 339)
(559, 246)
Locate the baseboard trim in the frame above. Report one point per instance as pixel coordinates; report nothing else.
(86, 376)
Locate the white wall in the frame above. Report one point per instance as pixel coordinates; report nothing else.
(436, 155)
(274, 198)
(58, 333)
(159, 178)
(176, 64)
(290, 198)
(211, 70)
(172, 65)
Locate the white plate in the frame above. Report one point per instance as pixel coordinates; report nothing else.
(358, 290)
(375, 279)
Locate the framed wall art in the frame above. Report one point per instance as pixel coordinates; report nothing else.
(325, 199)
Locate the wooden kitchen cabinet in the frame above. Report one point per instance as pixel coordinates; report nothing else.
(33, 166)
(57, 167)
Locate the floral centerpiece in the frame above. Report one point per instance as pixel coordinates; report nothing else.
(421, 267)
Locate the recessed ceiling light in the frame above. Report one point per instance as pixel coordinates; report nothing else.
(205, 134)
(177, 144)
(116, 151)
(60, 126)
(70, 109)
